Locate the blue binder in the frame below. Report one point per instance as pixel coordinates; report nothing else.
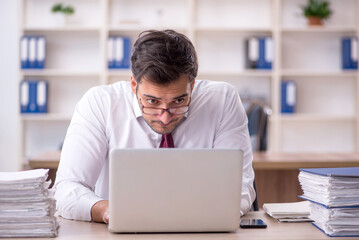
(33, 52)
(252, 53)
(33, 96)
(265, 53)
(350, 53)
(32, 42)
(111, 52)
(334, 172)
(24, 52)
(40, 52)
(119, 52)
(288, 96)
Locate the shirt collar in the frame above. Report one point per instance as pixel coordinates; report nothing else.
(136, 107)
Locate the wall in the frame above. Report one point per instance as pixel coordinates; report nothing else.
(8, 86)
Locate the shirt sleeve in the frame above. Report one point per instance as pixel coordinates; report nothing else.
(83, 156)
(233, 133)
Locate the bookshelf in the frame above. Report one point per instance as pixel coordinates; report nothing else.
(327, 118)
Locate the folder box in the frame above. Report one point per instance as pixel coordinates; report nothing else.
(350, 53)
(110, 52)
(265, 53)
(33, 52)
(40, 52)
(24, 52)
(33, 96)
(259, 53)
(119, 52)
(252, 53)
(288, 96)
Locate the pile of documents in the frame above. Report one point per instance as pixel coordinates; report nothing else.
(27, 206)
(289, 212)
(334, 196)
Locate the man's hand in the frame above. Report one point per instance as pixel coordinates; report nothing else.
(99, 212)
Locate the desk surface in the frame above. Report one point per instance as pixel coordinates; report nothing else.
(275, 230)
(262, 161)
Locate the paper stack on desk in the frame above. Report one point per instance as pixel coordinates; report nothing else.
(27, 206)
(288, 212)
(334, 196)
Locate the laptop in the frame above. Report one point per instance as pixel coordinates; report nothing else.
(175, 190)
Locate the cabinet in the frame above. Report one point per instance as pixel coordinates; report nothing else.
(327, 116)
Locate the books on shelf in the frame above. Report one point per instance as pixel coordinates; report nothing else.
(289, 212)
(259, 53)
(334, 196)
(33, 52)
(33, 96)
(27, 206)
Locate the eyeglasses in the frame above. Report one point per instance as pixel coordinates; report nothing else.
(159, 111)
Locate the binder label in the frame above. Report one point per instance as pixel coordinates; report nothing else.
(119, 49)
(268, 50)
(41, 49)
(354, 49)
(23, 53)
(253, 49)
(41, 93)
(291, 94)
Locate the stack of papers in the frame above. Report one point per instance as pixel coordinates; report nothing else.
(334, 196)
(336, 221)
(27, 206)
(289, 212)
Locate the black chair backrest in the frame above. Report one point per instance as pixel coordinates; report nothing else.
(255, 206)
(257, 126)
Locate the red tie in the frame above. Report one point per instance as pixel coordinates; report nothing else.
(167, 141)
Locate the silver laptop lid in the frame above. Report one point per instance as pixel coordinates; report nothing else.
(175, 190)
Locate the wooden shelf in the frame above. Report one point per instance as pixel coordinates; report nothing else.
(139, 28)
(45, 117)
(233, 29)
(302, 117)
(119, 73)
(58, 73)
(69, 28)
(319, 29)
(316, 73)
(245, 73)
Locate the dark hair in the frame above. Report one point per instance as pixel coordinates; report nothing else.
(163, 56)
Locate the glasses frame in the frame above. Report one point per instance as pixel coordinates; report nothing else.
(164, 109)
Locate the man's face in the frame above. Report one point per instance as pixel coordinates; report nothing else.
(150, 95)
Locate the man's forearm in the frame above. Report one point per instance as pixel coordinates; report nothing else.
(100, 211)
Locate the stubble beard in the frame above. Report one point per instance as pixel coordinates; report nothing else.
(156, 127)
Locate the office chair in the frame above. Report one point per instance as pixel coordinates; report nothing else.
(255, 203)
(257, 125)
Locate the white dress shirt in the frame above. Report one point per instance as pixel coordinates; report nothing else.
(109, 117)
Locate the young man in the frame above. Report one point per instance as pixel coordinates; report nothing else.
(162, 106)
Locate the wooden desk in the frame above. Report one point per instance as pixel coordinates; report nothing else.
(46, 160)
(275, 231)
(276, 173)
(294, 161)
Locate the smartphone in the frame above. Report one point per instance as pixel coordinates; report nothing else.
(252, 223)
